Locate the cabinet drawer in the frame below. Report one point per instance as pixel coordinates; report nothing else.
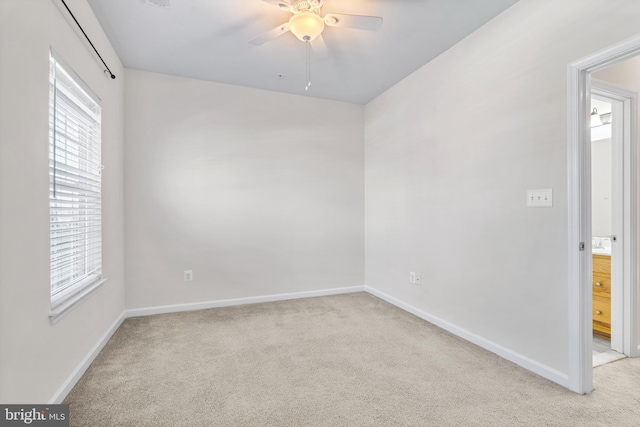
(602, 285)
(602, 315)
(601, 265)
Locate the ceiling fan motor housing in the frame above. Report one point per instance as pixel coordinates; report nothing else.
(300, 6)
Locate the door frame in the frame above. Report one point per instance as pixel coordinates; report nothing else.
(580, 370)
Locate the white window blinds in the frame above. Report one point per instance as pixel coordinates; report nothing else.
(74, 184)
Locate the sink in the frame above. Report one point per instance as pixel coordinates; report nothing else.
(601, 245)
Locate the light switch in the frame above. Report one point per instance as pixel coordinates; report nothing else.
(540, 198)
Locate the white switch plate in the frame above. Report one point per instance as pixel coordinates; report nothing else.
(188, 275)
(418, 279)
(412, 277)
(540, 198)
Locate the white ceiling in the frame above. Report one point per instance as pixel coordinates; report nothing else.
(208, 40)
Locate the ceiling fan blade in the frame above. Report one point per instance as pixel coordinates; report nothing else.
(269, 35)
(319, 48)
(358, 22)
(282, 4)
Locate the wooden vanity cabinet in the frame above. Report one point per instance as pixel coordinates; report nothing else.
(602, 296)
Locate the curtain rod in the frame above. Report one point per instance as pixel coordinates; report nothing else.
(113, 76)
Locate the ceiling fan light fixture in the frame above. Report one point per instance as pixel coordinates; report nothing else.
(306, 26)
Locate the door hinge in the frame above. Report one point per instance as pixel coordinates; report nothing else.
(581, 246)
(614, 238)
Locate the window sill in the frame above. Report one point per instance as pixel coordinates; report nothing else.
(60, 310)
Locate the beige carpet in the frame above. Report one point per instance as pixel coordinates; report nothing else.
(345, 360)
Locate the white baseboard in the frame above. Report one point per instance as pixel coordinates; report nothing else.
(77, 373)
(238, 301)
(523, 361)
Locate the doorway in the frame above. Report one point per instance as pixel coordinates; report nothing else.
(610, 127)
(580, 273)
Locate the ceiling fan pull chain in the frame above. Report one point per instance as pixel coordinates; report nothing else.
(308, 52)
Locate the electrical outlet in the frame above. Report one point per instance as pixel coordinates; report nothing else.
(412, 277)
(418, 279)
(188, 275)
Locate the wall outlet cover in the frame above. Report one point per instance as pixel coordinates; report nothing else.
(412, 277)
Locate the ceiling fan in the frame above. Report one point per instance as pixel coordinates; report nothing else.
(307, 24)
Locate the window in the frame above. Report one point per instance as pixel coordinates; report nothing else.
(74, 188)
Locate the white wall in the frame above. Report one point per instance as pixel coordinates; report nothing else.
(450, 152)
(35, 357)
(601, 174)
(257, 192)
